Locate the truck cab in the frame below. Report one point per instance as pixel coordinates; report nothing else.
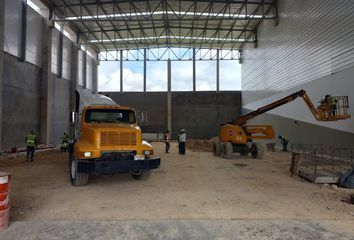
(109, 140)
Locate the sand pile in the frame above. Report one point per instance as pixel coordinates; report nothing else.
(200, 145)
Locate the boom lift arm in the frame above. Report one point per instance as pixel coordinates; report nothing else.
(321, 113)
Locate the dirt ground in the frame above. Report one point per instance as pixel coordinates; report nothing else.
(195, 186)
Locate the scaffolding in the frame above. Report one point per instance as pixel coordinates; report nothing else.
(319, 163)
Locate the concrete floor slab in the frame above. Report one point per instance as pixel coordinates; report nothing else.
(173, 229)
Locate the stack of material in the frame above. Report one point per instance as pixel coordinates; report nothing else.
(321, 164)
(200, 145)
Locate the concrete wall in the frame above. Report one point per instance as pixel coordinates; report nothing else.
(21, 101)
(200, 113)
(61, 108)
(22, 97)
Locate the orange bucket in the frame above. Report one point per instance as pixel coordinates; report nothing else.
(4, 199)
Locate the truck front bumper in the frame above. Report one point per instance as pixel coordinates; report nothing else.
(116, 165)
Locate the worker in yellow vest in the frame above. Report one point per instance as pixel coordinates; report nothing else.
(31, 142)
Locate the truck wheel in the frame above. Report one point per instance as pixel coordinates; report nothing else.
(257, 150)
(77, 179)
(227, 150)
(141, 175)
(217, 148)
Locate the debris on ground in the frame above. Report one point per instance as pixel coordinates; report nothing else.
(200, 145)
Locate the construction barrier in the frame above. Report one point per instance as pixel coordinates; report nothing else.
(4, 200)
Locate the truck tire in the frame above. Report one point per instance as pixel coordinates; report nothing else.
(257, 150)
(227, 150)
(217, 148)
(141, 175)
(77, 179)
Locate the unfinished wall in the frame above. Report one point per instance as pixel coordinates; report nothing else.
(61, 108)
(312, 48)
(22, 96)
(21, 101)
(200, 113)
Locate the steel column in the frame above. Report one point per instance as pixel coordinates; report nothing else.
(23, 30)
(194, 72)
(169, 97)
(217, 70)
(95, 75)
(144, 69)
(121, 70)
(84, 69)
(60, 52)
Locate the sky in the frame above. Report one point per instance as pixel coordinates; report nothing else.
(181, 75)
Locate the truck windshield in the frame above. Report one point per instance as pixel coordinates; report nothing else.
(109, 116)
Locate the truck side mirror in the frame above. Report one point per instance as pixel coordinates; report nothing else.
(142, 118)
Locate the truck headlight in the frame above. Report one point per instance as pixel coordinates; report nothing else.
(87, 154)
(147, 152)
(139, 157)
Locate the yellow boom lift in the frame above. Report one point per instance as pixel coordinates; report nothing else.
(236, 136)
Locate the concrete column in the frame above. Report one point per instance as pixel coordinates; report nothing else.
(23, 30)
(194, 73)
(169, 97)
(2, 22)
(145, 70)
(94, 75)
(121, 70)
(47, 84)
(75, 48)
(217, 70)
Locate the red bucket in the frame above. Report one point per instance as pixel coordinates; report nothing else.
(4, 200)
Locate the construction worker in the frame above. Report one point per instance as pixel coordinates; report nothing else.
(332, 103)
(182, 138)
(31, 142)
(166, 138)
(284, 142)
(64, 142)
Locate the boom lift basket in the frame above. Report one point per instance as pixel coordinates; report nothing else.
(339, 112)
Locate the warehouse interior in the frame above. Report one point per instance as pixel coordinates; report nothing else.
(193, 65)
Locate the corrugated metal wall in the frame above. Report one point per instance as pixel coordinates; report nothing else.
(67, 47)
(80, 77)
(12, 34)
(55, 50)
(33, 37)
(89, 72)
(313, 39)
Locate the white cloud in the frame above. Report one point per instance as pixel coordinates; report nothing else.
(182, 76)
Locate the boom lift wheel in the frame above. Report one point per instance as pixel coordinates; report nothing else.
(77, 179)
(217, 147)
(227, 150)
(257, 150)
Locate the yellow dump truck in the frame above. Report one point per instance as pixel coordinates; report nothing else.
(106, 139)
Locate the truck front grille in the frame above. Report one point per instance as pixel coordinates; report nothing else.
(118, 138)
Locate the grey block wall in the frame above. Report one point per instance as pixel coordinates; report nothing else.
(61, 108)
(21, 103)
(200, 113)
